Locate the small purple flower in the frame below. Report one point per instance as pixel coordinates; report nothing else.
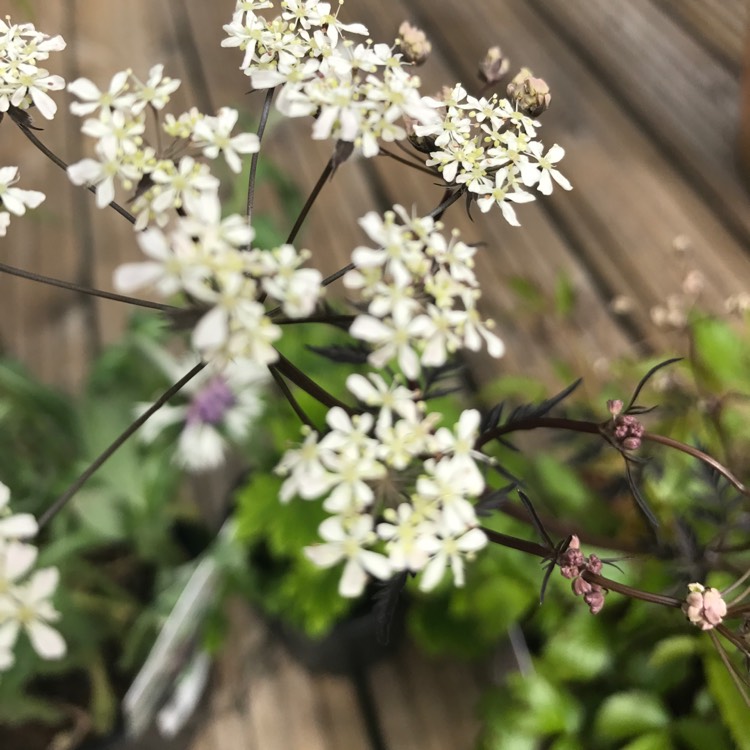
(211, 403)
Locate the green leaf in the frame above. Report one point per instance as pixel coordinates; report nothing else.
(651, 741)
(732, 707)
(721, 357)
(629, 714)
(676, 647)
(699, 733)
(579, 650)
(551, 709)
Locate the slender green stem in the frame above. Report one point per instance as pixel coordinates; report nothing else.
(621, 588)
(284, 388)
(96, 464)
(408, 162)
(331, 319)
(540, 550)
(575, 425)
(60, 163)
(701, 456)
(307, 384)
(256, 156)
(555, 423)
(325, 174)
(452, 197)
(338, 274)
(70, 286)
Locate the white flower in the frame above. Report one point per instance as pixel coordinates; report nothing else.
(182, 185)
(542, 172)
(22, 82)
(297, 289)
(92, 98)
(304, 469)
(155, 92)
(347, 539)
(373, 391)
(459, 445)
(450, 552)
(401, 530)
(18, 525)
(212, 134)
(16, 560)
(29, 607)
(4, 222)
(503, 194)
(220, 407)
(101, 174)
(14, 199)
(446, 489)
(395, 337)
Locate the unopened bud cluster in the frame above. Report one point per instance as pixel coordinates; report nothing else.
(573, 564)
(494, 66)
(626, 430)
(413, 44)
(705, 608)
(530, 95)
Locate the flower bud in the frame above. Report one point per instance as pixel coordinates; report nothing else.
(529, 95)
(581, 587)
(494, 66)
(413, 43)
(595, 600)
(704, 607)
(614, 406)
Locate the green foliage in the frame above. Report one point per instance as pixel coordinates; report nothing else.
(636, 676)
(114, 545)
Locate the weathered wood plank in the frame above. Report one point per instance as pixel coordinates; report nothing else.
(672, 84)
(425, 704)
(629, 203)
(720, 25)
(536, 251)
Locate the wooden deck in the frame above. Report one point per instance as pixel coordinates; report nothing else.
(645, 102)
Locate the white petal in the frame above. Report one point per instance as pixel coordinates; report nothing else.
(130, 277)
(18, 526)
(472, 541)
(353, 580)
(433, 573)
(43, 584)
(324, 555)
(47, 642)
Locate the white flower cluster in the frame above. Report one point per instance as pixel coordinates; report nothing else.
(206, 257)
(367, 464)
(162, 182)
(218, 407)
(25, 596)
(421, 294)
(489, 147)
(14, 200)
(22, 82)
(359, 93)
